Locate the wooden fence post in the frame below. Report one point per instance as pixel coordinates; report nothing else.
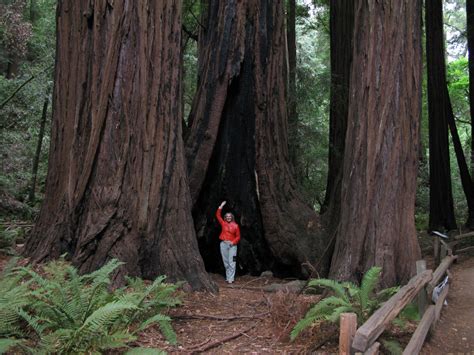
(347, 331)
(422, 295)
(436, 245)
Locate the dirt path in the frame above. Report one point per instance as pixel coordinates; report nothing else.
(455, 330)
(242, 318)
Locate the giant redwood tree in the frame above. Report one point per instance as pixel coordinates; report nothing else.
(237, 148)
(380, 164)
(441, 197)
(116, 186)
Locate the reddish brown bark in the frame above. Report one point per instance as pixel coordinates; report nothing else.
(116, 186)
(380, 167)
(238, 146)
(294, 143)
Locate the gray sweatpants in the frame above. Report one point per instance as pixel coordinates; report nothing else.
(229, 253)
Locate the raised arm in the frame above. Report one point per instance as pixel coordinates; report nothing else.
(219, 213)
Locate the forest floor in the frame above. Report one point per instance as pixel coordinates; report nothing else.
(244, 318)
(454, 332)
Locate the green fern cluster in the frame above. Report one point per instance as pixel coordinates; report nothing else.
(347, 297)
(62, 312)
(7, 240)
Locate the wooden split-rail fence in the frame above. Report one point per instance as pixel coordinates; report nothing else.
(363, 340)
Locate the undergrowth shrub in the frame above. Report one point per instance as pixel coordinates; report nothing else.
(8, 239)
(348, 297)
(56, 310)
(286, 309)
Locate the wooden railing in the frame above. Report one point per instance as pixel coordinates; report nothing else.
(364, 338)
(444, 245)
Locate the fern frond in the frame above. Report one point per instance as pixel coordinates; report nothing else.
(115, 340)
(56, 341)
(320, 311)
(168, 331)
(351, 288)
(304, 323)
(369, 281)
(155, 319)
(32, 321)
(336, 313)
(409, 313)
(101, 275)
(386, 293)
(336, 286)
(7, 344)
(9, 267)
(135, 283)
(105, 316)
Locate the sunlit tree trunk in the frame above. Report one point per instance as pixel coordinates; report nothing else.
(116, 186)
(377, 224)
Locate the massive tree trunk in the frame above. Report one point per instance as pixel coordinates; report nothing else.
(377, 224)
(466, 179)
(441, 197)
(116, 186)
(237, 149)
(293, 141)
(341, 32)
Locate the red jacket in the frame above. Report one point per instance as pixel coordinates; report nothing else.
(230, 230)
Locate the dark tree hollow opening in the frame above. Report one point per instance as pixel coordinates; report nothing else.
(231, 177)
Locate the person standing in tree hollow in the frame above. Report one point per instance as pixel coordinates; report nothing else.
(230, 237)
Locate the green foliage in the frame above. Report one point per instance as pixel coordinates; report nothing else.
(409, 313)
(20, 117)
(7, 239)
(348, 297)
(310, 140)
(62, 312)
(10, 235)
(392, 346)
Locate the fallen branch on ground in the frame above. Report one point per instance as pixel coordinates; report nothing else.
(222, 341)
(209, 316)
(192, 347)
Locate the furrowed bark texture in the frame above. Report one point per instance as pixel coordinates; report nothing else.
(116, 185)
(341, 32)
(441, 197)
(379, 179)
(294, 143)
(238, 146)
